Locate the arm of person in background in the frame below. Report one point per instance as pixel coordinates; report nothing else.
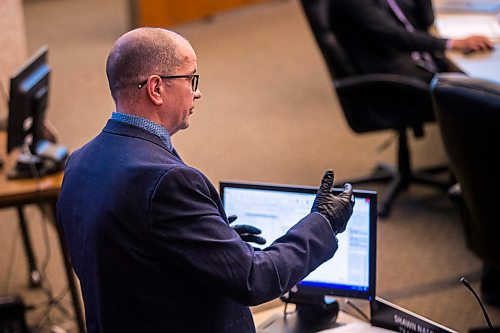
(378, 24)
(424, 14)
(470, 44)
(425, 17)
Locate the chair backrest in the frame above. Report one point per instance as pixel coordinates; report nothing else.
(336, 59)
(370, 102)
(468, 114)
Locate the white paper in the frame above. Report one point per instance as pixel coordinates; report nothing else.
(459, 26)
(356, 328)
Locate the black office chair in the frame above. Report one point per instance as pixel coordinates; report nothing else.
(468, 115)
(374, 102)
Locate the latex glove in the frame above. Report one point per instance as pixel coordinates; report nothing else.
(336, 208)
(246, 232)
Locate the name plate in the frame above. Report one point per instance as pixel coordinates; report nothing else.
(390, 316)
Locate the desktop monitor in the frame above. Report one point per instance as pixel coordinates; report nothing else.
(275, 208)
(29, 88)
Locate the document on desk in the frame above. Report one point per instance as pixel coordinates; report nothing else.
(459, 26)
(356, 328)
(454, 6)
(482, 65)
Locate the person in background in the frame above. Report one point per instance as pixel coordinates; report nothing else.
(147, 234)
(392, 36)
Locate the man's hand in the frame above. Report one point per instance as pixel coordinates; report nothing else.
(336, 209)
(471, 44)
(247, 233)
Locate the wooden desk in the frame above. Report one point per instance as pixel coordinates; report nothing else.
(26, 191)
(482, 65)
(44, 192)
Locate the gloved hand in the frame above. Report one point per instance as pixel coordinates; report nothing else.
(336, 208)
(246, 232)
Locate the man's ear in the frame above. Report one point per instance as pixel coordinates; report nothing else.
(155, 88)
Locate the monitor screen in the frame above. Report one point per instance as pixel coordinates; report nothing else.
(276, 208)
(29, 88)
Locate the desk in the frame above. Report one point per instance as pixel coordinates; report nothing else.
(482, 65)
(343, 318)
(20, 192)
(261, 317)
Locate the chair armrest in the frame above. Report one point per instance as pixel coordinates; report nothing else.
(381, 81)
(466, 83)
(373, 102)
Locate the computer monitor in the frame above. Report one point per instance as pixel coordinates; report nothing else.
(29, 90)
(275, 208)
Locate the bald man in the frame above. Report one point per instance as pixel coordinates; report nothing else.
(147, 234)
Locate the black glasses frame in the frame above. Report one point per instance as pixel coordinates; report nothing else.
(195, 78)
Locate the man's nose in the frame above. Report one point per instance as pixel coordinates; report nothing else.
(197, 94)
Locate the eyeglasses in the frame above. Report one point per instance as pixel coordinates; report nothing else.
(194, 80)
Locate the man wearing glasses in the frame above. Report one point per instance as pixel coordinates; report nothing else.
(147, 234)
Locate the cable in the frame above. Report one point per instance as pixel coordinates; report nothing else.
(46, 287)
(51, 132)
(12, 256)
(37, 176)
(48, 250)
(429, 288)
(285, 312)
(387, 142)
(357, 309)
(468, 286)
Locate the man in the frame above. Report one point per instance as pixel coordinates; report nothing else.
(147, 234)
(391, 36)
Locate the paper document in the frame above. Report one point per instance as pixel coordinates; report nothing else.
(467, 7)
(356, 328)
(459, 26)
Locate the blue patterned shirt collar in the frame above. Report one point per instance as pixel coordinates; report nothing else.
(145, 124)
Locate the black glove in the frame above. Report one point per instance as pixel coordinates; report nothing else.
(337, 209)
(246, 232)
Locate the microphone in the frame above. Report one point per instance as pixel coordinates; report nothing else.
(468, 286)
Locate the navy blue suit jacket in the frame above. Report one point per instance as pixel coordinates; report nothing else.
(151, 245)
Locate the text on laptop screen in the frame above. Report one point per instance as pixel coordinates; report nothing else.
(276, 208)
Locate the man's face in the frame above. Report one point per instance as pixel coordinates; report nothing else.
(179, 96)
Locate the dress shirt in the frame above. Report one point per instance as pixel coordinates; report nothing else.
(145, 124)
